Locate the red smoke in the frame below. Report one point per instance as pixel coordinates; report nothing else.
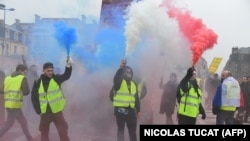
(194, 30)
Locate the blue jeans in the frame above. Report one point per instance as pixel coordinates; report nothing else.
(225, 117)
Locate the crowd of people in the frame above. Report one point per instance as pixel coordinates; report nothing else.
(226, 96)
(46, 94)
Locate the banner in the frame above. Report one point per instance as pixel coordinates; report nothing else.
(212, 132)
(215, 64)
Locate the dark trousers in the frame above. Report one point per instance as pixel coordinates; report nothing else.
(15, 114)
(130, 120)
(247, 111)
(225, 117)
(169, 119)
(60, 123)
(185, 120)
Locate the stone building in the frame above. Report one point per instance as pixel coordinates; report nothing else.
(14, 40)
(238, 62)
(13, 43)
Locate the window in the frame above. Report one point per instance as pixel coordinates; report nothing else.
(1, 31)
(20, 37)
(15, 50)
(12, 35)
(7, 49)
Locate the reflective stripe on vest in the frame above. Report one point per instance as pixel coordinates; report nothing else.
(228, 108)
(189, 103)
(13, 96)
(123, 98)
(54, 97)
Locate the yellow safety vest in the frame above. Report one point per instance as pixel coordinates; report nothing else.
(54, 97)
(140, 89)
(13, 96)
(189, 103)
(198, 81)
(123, 98)
(233, 92)
(228, 108)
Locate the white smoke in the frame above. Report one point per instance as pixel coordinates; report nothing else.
(148, 22)
(155, 47)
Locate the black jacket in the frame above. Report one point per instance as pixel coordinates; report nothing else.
(34, 93)
(185, 88)
(116, 86)
(24, 86)
(168, 98)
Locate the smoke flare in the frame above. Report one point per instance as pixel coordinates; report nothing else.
(200, 37)
(65, 35)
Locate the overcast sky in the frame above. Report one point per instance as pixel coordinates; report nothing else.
(230, 19)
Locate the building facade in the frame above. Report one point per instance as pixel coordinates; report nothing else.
(238, 62)
(109, 9)
(13, 41)
(42, 43)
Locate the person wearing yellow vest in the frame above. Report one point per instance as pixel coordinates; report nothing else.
(2, 109)
(226, 99)
(15, 87)
(49, 102)
(189, 98)
(142, 88)
(125, 101)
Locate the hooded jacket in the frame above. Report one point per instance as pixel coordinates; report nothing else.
(116, 86)
(184, 83)
(24, 86)
(185, 87)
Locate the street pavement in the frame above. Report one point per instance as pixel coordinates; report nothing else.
(77, 133)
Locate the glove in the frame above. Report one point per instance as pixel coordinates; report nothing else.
(215, 110)
(123, 63)
(203, 116)
(202, 112)
(69, 62)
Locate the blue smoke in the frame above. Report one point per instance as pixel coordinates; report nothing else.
(104, 49)
(111, 41)
(65, 35)
(108, 48)
(44, 48)
(87, 57)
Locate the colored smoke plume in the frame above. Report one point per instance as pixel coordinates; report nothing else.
(200, 37)
(65, 35)
(154, 38)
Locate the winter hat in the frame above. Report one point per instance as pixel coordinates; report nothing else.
(48, 65)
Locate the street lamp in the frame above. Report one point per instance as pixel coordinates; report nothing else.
(2, 7)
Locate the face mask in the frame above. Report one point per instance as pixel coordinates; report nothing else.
(128, 75)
